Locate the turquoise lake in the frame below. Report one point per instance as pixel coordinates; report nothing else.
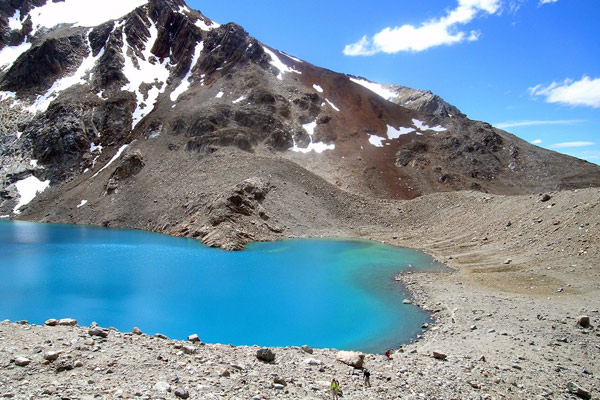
(331, 293)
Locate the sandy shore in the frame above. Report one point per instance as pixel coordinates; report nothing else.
(526, 268)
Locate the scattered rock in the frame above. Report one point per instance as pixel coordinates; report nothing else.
(194, 338)
(22, 361)
(67, 322)
(161, 336)
(583, 321)
(182, 393)
(98, 332)
(51, 355)
(64, 366)
(307, 349)
(189, 349)
(545, 197)
(352, 358)
(136, 331)
(312, 361)
(507, 261)
(439, 355)
(162, 386)
(265, 354)
(577, 390)
(406, 301)
(223, 372)
(51, 322)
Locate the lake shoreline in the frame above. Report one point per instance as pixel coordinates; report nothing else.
(524, 272)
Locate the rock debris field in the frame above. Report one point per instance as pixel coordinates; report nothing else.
(516, 318)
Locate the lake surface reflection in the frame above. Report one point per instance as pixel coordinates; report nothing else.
(330, 293)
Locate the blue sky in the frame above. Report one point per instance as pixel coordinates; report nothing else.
(531, 67)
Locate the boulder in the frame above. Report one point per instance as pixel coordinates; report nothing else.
(439, 355)
(22, 361)
(352, 358)
(194, 338)
(51, 355)
(266, 355)
(577, 390)
(162, 386)
(307, 349)
(583, 321)
(98, 332)
(312, 361)
(182, 393)
(67, 322)
(51, 322)
(136, 331)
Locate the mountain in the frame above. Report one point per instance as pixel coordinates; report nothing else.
(156, 117)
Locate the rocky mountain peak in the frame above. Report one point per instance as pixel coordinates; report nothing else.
(175, 88)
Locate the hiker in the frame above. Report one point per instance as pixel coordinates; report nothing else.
(388, 353)
(335, 386)
(367, 377)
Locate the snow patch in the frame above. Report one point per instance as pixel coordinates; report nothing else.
(83, 203)
(317, 147)
(318, 88)
(393, 133)
(33, 163)
(93, 148)
(376, 88)
(220, 94)
(7, 95)
(332, 105)
(276, 62)
(81, 12)
(4, 216)
(421, 126)
(376, 140)
(146, 72)
(9, 54)
(310, 127)
(206, 26)
(14, 22)
(185, 82)
(115, 157)
(29, 188)
(78, 77)
(239, 99)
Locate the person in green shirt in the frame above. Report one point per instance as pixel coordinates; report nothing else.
(335, 386)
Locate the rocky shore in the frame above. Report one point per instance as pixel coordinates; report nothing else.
(516, 319)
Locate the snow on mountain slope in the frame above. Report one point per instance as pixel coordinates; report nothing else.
(80, 13)
(100, 92)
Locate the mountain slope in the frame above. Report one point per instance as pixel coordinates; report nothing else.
(162, 119)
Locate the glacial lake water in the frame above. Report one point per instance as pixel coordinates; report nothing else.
(329, 293)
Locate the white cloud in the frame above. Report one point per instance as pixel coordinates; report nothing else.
(512, 124)
(434, 32)
(571, 144)
(536, 141)
(546, 2)
(584, 92)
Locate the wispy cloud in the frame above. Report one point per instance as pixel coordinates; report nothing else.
(513, 124)
(434, 32)
(584, 92)
(546, 2)
(571, 144)
(536, 141)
